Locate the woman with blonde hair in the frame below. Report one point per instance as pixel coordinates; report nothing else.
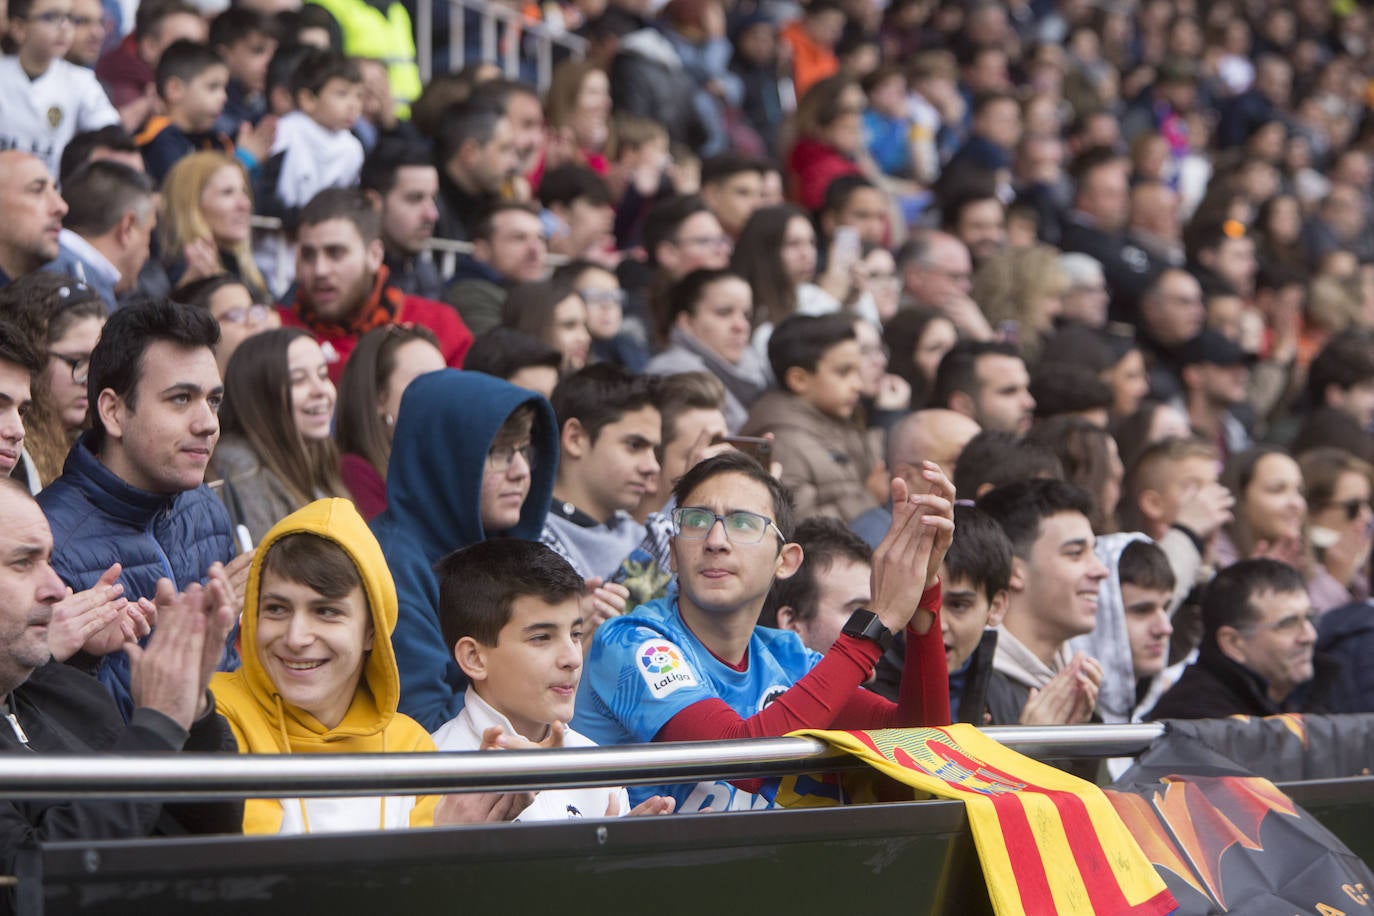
(204, 225)
(1025, 286)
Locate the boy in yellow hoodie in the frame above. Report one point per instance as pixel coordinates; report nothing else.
(318, 673)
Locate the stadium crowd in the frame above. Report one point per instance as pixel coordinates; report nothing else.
(843, 364)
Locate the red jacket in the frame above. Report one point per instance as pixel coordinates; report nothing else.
(811, 166)
(125, 75)
(338, 340)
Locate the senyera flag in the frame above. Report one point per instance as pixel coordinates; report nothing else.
(1050, 844)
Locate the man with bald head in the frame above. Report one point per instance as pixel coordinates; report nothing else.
(934, 434)
(936, 270)
(33, 212)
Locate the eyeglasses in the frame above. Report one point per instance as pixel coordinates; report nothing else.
(51, 17)
(1288, 625)
(499, 458)
(245, 314)
(86, 22)
(695, 523)
(603, 298)
(1352, 507)
(80, 365)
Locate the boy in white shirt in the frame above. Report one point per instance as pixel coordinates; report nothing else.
(45, 100)
(512, 611)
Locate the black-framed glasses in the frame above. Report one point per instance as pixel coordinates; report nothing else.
(695, 523)
(80, 365)
(1288, 625)
(499, 458)
(1352, 507)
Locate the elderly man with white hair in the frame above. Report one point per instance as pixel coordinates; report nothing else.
(1085, 297)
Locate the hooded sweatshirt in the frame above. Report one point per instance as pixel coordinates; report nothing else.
(444, 429)
(264, 723)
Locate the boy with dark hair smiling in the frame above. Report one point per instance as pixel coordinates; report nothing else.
(828, 462)
(694, 666)
(511, 611)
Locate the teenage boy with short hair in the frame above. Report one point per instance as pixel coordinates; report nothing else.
(973, 585)
(191, 82)
(524, 361)
(245, 40)
(832, 582)
(47, 99)
(512, 612)
(1052, 597)
(826, 459)
(609, 433)
(694, 666)
(314, 148)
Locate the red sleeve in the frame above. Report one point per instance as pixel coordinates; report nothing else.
(454, 337)
(830, 694)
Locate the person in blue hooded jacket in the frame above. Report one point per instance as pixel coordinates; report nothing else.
(472, 457)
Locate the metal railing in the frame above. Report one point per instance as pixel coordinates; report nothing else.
(203, 776)
(491, 13)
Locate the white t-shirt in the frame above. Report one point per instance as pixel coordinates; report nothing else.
(464, 733)
(41, 116)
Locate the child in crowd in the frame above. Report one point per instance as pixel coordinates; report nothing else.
(512, 612)
(314, 148)
(244, 39)
(319, 674)
(827, 460)
(639, 159)
(191, 82)
(1131, 638)
(45, 100)
(888, 126)
(973, 580)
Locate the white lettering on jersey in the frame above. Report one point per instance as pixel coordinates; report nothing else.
(664, 668)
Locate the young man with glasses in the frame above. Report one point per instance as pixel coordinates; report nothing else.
(694, 666)
(1257, 656)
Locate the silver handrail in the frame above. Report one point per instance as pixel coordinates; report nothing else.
(490, 14)
(154, 776)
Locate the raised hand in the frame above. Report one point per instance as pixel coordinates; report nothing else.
(95, 619)
(167, 674)
(902, 562)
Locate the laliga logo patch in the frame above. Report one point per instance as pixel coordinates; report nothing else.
(663, 668)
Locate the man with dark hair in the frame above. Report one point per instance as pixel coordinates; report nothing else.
(108, 229)
(508, 247)
(127, 70)
(584, 218)
(520, 359)
(19, 363)
(54, 708)
(987, 382)
(1221, 254)
(112, 143)
(475, 155)
(937, 273)
(1340, 396)
(1096, 226)
(1216, 373)
(33, 212)
(732, 186)
(993, 459)
(521, 104)
(1052, 598)
(977, 218)
(609, 433)
(832, 582)
(695, 667)
(401, 181)
(133, 489)
(1171, 314)
(1070, 389)
(342, 286)
(1257, 656)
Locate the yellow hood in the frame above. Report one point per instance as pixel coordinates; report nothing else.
(261, 720)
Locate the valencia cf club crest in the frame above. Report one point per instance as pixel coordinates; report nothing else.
(54, 116)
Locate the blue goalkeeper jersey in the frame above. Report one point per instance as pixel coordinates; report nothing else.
(646, 667)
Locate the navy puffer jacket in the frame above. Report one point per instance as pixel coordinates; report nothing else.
(97, 519)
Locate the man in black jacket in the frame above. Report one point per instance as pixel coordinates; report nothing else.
(1257, 654)
(48, 707)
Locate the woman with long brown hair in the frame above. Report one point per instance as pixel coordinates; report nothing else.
(276, 453)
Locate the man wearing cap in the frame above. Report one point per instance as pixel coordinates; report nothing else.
(1216, 374)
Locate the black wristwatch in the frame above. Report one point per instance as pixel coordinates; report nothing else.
(864, 624)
